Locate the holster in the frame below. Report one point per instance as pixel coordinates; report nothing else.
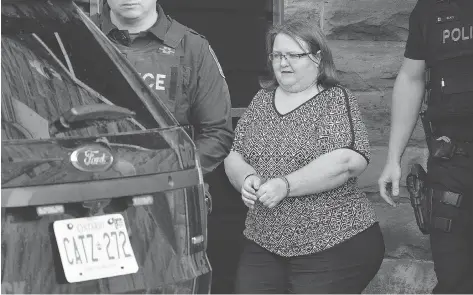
(421, 201)
(424, 199)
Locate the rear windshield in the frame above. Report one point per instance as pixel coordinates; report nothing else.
(37, 89)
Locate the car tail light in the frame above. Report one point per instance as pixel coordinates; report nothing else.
(196, 219)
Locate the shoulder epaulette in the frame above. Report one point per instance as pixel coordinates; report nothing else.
(195, 33)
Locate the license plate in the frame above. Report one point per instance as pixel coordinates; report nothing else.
(94, 247)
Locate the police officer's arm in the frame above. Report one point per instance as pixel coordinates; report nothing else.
(210, 111)
(408, 93)
(409, 86)
(407, 97)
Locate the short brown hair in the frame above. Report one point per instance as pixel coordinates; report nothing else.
(309, 31)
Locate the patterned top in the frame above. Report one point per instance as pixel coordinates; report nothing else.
(277, 144)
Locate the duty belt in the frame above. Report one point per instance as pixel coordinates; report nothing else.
(445, 148)
(423, 199)
(447, 198)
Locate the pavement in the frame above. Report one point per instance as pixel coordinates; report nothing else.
(407, 267)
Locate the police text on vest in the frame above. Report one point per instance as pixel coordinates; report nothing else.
(457, 34)
(159, 80)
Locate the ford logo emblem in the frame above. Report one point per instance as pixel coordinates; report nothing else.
(92, 158)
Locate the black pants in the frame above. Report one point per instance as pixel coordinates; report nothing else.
(225, 226)
(345, 268)
(225, 245)
(452, 252)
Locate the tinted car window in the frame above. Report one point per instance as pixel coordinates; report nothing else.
(37, 89)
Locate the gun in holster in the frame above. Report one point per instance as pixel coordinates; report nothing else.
(420, 196)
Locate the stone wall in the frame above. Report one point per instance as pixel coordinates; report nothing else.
(367, 38)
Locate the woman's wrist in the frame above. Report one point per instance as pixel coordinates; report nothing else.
(288, 186)
(248, 175)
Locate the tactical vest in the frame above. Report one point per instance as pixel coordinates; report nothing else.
(448, 33)
(166, 71)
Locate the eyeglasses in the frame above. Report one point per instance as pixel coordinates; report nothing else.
(276, 56)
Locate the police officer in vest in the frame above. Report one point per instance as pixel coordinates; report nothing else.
(439, 64)
(179, 65)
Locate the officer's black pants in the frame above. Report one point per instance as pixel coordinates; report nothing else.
(225, 231)
(345, 268)
(452, 252)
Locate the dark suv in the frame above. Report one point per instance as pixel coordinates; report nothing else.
(102, 191)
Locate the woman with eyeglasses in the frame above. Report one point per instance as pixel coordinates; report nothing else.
(297, 152)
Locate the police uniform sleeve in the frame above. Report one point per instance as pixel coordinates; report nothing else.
(343, 126)
(210, 110)
(415, 47)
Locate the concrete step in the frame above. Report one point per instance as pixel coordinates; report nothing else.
(403, 276)
(407, 267)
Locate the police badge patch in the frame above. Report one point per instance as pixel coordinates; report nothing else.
(166, 50)
(216, 60)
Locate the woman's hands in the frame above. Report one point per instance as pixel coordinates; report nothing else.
(272, 192)
(269, 193)
(250, 185)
